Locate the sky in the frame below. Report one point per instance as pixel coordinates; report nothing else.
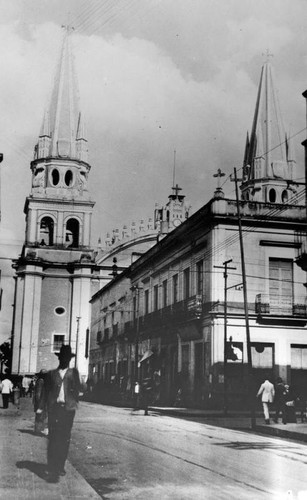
(154, 76)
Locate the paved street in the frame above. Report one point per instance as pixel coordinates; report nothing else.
(119, 454)
(126, 455)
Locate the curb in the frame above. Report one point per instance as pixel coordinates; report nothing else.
(284, 433)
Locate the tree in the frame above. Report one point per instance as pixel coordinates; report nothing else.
(5, 357)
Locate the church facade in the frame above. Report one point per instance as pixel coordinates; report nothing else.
(55, 269)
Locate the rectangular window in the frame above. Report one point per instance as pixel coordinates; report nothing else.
(262, 355)
(185, 359)
(156, 298)
(175, 288)
(186, 283)
(57, 342)
(134, 307)
(146, 301)
(164, 289)
(281, 286)
(199, 277)
(298, 357)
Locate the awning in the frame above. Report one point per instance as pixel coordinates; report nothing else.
(146, 355)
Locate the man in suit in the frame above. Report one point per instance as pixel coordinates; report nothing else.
(61, 394)
(267, 393)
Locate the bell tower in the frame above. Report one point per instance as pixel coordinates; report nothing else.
(54, 271)
(268, 160)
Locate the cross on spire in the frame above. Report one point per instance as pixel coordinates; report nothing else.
(68, 28)
(219, 175)
(267, 55)
(218, 193)
(176, 189)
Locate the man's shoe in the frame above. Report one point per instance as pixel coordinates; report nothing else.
(53, 478)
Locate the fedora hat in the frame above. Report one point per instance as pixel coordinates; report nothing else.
(65, 352)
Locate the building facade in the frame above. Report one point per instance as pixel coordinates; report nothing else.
(171, 318)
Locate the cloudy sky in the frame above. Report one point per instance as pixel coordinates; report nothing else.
(154, 76)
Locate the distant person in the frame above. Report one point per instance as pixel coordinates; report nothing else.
(6, 389)
(25, 386)
(280, 401)
(38, 395)
(290, 405)
(146, 392)
(267, 392)
(61, 393)
(31, 388)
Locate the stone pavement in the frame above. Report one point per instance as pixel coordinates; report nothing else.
(23, 460)
(23, 454)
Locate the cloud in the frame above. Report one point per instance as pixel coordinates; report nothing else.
(160, 76)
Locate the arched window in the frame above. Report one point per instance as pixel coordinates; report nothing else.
(69, 178)
(284, 196)
(72, 233)
(46, 231)
(272, 195)
(55, 176)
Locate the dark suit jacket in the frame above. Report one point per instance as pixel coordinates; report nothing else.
(52, 386)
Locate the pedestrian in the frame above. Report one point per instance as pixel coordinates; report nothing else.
(136, 395)
(267, 392)
(61, 393)
(25, 386)
(40, 417)
(146, 393)
(280, 401)
(290, 405)
(6, 389)
(31, 388)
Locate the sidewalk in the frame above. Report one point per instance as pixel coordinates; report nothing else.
(23, 460)
(239, 420)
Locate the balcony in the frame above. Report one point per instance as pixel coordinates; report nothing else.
(185, 310)
(280, 306)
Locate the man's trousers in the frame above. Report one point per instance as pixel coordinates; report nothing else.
(5, 399)
(60, 423)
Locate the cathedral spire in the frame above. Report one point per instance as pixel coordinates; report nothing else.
(63, 114)
(267, 163)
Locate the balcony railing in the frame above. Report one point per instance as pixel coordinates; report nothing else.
(183, 310)
(270, 305)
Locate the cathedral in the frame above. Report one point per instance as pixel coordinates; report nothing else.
(58, 270)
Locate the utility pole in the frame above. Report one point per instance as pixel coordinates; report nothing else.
(225, 267)
(304, 143)
(77, 341)
(248, 344)
(137, 318)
